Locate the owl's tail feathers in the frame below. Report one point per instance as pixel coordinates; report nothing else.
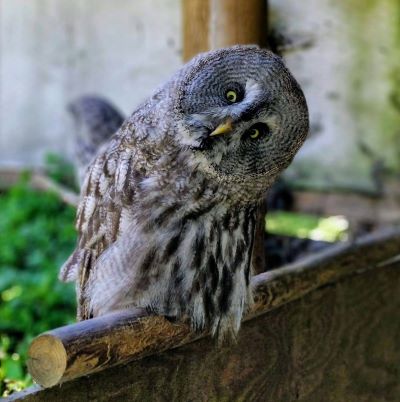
(70, 270)
(95, 121)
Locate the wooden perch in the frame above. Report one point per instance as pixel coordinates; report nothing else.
(93, 345)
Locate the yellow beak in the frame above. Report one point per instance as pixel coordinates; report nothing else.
(223, 128)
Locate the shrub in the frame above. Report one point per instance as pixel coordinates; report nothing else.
(36, 236)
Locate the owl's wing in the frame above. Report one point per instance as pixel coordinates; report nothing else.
(105, 210)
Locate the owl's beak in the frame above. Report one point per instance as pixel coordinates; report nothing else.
(223, 128)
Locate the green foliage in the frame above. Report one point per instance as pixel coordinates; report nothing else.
(36, 237)
(330, 229)
(61, 171)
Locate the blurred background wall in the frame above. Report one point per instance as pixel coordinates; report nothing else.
(55, 50)
(346, 55)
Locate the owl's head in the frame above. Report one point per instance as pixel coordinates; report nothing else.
(241, 113)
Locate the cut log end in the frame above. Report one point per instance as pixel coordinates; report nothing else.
(47, 360)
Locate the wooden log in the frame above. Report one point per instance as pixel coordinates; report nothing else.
(90, 346)
(212, 24)
(337, 343)
(93, 345)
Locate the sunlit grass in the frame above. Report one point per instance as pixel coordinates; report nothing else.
(329, 229)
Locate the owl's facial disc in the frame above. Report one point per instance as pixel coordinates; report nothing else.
(243, 112)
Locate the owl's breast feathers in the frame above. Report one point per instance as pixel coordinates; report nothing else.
(156, 233)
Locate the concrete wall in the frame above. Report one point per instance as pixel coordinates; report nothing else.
(55, 50)
(345, 54)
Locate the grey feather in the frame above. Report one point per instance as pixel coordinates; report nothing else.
(95, 120)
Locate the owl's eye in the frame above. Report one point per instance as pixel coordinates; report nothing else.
(254, 133)
(257, 131)
(231, 96)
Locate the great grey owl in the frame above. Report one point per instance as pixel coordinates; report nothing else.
(95, 121)
(167, 213)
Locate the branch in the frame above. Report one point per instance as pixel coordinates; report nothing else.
(38, 181)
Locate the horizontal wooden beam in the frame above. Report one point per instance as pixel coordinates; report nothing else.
(360, 209)
(93, 345)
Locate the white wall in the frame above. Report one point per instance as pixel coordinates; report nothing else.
(55, 50)
(346, 55)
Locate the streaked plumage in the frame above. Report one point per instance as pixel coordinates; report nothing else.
(167, 216)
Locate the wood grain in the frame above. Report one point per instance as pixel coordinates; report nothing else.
(196, 27)
(93, 345)
(103, 342)
(212, 24)
(338, 343)
(238, 22)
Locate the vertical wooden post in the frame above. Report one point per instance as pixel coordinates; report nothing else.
(237, 22)
(196, 27)
(212, 24)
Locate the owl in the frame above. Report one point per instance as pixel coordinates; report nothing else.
(168, 209)
(95, 120)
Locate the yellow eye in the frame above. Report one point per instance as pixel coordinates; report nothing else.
(254, 133)
(231, 96)
(258, 131)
